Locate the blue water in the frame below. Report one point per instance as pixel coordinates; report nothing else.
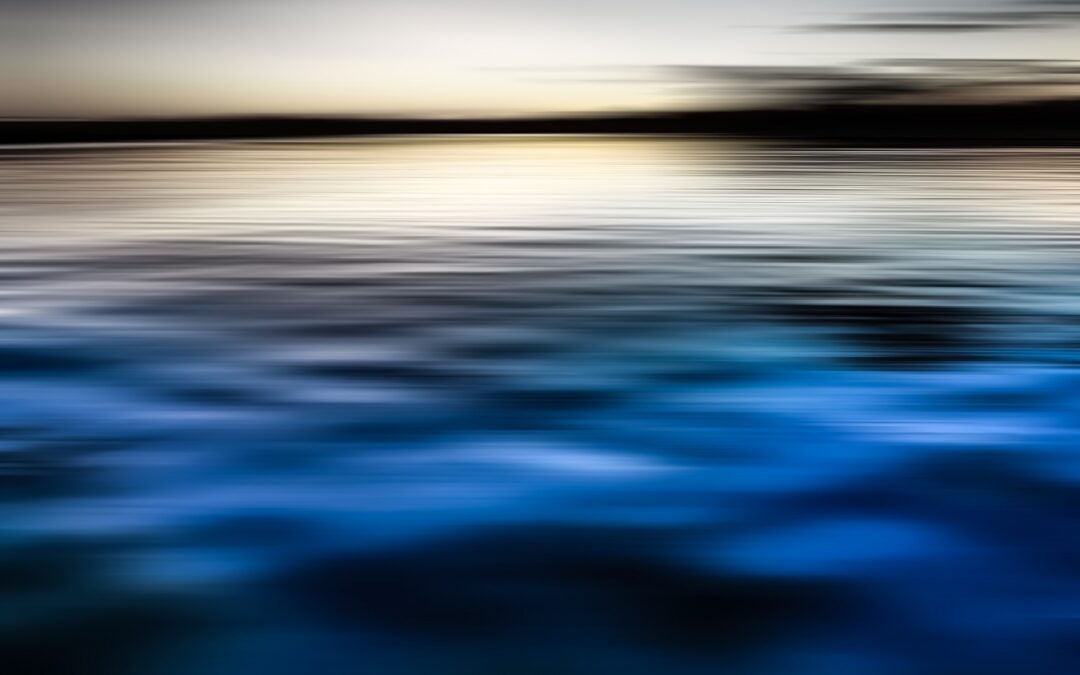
(539, 406)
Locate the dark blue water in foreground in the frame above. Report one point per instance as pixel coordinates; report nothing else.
(539, 407)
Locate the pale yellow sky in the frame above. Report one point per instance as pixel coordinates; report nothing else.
(436, 56)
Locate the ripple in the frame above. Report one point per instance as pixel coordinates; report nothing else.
(549, 406)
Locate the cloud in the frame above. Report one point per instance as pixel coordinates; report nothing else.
(1017, 15)
(912, 80)
(874, 81)
(922, 27)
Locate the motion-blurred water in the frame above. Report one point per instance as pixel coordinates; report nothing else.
(543, 406)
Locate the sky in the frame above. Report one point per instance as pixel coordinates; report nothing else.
(503, 57)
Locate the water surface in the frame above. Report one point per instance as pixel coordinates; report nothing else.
(544, 406)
